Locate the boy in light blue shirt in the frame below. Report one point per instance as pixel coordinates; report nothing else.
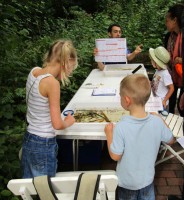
(135, 141)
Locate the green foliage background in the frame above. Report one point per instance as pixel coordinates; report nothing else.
(28, 27)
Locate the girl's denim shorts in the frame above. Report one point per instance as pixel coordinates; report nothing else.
(39, 156)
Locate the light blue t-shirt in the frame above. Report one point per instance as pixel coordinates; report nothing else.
(139, 141)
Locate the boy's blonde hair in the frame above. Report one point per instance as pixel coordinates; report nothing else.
(137, 87)
(60, 52)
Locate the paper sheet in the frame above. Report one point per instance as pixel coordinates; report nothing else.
(111, 50)
(104, 92)
(154, 104)
(181, 141)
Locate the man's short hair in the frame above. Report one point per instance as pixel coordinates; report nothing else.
(109, 30)
(137, 87)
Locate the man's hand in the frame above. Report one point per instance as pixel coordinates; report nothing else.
(95, 51)
(138, 49)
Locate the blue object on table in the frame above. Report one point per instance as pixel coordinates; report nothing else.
(164, 112)
(66, 112)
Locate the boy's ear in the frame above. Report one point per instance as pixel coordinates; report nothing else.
(128, 100)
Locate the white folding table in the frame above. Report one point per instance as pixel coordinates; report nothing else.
(84, 96)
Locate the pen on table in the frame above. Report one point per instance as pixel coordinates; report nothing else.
(136, 69)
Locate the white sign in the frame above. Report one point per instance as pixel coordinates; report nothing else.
(154, 104)
(111, 50)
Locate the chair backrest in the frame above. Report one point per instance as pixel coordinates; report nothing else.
(63, 187)
(175, 123)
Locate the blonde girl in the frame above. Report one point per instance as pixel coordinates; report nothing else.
(39, 155)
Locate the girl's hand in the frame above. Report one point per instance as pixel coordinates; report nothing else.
(69, 120)
(164, 104)
(177, 60)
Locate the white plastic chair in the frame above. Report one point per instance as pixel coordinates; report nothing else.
(175, 123)
(64, 186)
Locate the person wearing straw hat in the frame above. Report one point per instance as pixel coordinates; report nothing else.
(162, 85)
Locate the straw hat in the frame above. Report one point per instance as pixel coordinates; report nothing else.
(160, 55)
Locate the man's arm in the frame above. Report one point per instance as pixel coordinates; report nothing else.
(168, 95)
(101, 66)
(132, 55)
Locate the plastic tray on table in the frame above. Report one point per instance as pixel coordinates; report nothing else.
(123, 69)
(92, 126)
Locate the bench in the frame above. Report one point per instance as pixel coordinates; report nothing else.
(64, 185)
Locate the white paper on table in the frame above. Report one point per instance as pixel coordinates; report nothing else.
(92, 85)
(104, 92)
(181, 141)
(111, 50)
(154, 104)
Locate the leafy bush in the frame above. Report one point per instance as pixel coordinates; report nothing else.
(27, 29)
(10, 164)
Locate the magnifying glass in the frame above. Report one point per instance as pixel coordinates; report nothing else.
(164, 113)
(66, 112)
